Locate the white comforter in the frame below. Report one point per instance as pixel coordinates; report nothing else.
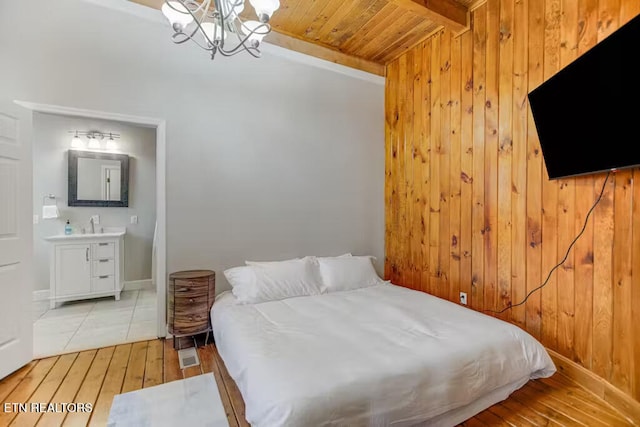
(376, 356)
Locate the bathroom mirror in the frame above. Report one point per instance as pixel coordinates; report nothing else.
(98, 179)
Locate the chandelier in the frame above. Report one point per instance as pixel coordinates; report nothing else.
(216, 26)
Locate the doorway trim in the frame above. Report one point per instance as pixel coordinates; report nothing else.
(161, 192)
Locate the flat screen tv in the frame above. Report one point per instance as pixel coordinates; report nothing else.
(588, 114)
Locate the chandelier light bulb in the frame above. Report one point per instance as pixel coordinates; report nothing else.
(256, 31)
(177, 14)
(232, 8)
(213, 31)
(265, 8)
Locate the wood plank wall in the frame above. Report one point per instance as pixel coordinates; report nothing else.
(469, 206)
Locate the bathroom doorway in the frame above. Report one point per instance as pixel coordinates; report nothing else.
(95, 249)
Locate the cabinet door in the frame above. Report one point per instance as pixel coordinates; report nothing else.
(73, 269)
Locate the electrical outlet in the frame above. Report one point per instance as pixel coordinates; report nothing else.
(134, 219)
(96, 219)
(463, 298)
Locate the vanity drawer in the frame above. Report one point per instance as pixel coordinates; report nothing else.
(103, 284)
(104, 267)
(103, 250)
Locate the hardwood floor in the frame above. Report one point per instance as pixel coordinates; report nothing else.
(95, 376)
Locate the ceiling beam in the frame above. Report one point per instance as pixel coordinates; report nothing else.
(302, 46)
(448, 13)
(322, 52)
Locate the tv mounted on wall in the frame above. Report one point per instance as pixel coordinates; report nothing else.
(588, 114)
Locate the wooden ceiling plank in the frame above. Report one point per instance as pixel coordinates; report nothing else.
(391, 38)
(396, 48)
(285, 17)
(314, 13)
(302, 46)
(448, 13)
(325, 53)
(401, 46)
(331, 23)
(353, 23)
(155, 4)
(426, 36)
(391, 32)
(384, 19)
(308, 26)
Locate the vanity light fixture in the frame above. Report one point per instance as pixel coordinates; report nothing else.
(111, 143)
(94, 139)
(216, 26)
(76, 142)
(93, 142)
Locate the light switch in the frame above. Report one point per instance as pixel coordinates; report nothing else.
(134, 219)
(36, 219)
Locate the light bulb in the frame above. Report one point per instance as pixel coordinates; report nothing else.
(256, 31)
(112, 144)
(76, 142)
(231, 9)
(93, 143)
(213, 31)
(177, 14)
(265, 8)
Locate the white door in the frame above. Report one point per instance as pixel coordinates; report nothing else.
(111, 183)
(73, 269)
(16, 326)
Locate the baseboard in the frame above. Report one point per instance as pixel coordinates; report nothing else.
(134, 285)
(606, 391)
(41, 295)
(137, 285)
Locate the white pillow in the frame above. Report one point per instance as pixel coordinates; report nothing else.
(242, 280)
(269, 262)
(331, 257)
(348, 273)
(261, 282)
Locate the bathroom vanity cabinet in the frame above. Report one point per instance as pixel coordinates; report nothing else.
(86, 266)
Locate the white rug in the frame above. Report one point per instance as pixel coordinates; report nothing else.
(193, 402)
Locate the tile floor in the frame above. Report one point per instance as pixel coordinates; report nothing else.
(87, 324)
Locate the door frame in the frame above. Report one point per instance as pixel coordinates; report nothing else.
(160, 126)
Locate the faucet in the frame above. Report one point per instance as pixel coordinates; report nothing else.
(93, 227)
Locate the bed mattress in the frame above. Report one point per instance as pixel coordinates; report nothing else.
(377, 356)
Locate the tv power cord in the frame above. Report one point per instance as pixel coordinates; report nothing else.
(566, 255)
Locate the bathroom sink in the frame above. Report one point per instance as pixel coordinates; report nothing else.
(80, 236)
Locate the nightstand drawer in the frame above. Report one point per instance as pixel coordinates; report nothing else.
(104, 267)
(103, 250)
(185, 302)
(188, 317)
(191, 288)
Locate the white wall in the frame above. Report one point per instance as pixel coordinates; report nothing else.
(266, 158)
(51, 142)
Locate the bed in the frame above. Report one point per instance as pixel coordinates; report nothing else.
(381, 355)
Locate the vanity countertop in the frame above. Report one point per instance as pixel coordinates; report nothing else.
(114, 233)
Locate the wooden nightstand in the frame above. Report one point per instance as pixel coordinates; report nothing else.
(190, 295)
